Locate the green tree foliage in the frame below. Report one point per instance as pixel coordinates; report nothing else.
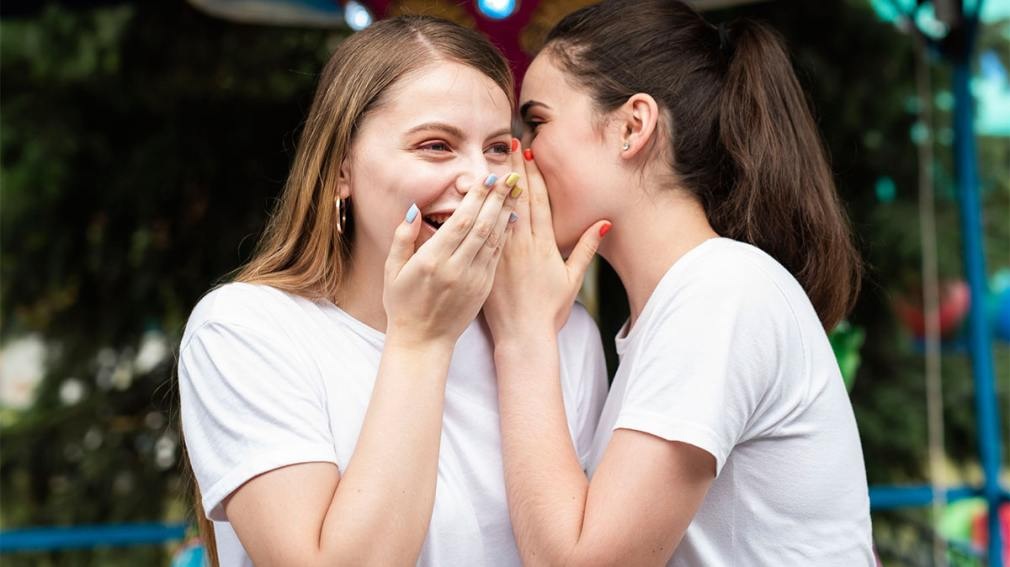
(143, 146)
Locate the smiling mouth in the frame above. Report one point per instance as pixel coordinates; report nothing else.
(436, 220)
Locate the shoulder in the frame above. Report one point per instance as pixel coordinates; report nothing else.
(728, 275)
(253, 307)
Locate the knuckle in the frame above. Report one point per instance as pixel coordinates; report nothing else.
(464, 224)
(428, 268)
(483, 229)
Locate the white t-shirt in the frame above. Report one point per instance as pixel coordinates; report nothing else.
(728, 355)
(269, 379)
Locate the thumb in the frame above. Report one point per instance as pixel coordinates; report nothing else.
(585, 250)
(403, 242)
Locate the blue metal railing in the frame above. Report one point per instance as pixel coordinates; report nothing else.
(83, 537)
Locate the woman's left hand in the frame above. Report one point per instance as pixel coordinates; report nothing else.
(535, 287)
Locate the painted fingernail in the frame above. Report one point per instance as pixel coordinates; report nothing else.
(490, 180)
(412, 213)
(515, 144)
(511, 180)
(516, 191)
(513, 217)
(605, 229)
(528, 154)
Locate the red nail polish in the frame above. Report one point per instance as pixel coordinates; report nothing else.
(515, 144)
(528, 154)
(605, 229)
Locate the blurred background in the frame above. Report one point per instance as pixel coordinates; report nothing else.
(143, 145)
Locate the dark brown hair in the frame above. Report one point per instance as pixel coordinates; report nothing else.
(741, 135)
(301, 251)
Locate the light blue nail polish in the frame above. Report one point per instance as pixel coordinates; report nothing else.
(513, 217)
(412, 213)
(490, 180)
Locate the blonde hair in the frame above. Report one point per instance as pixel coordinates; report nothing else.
(301, 252)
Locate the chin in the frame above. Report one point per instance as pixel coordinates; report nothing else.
(566, 245)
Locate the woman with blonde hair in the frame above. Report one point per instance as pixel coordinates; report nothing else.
(338, 398)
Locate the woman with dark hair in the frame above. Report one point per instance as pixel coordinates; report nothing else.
(727, 437)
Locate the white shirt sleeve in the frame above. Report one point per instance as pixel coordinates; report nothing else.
(709, 355)
(249, 405)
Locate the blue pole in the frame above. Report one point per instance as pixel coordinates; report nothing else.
(84, 537)
(980, 341)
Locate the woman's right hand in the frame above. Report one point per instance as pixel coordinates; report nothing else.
(433, 293)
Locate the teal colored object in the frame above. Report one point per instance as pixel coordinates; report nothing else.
(193, 555)
(919, 133)
(991, 89)
(999, 304)
(890, 11)
(886, 189)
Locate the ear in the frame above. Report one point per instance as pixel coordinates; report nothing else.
(638, 126)
(344, 180)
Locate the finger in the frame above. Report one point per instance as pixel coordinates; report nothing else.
(582, 255)
(449, 236)
(522, 204)
(403, 242)
(540, 205)
(486, 221)
(494, 244)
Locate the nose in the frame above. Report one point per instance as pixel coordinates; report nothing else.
(464, 182)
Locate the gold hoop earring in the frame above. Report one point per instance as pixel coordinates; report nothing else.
(342, 214)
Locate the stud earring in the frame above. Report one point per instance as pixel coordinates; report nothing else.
(626, 146)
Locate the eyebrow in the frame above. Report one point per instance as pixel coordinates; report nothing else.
(451, 130)
(525, 108)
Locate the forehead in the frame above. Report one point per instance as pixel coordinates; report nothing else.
(445, 91)
(545, 82)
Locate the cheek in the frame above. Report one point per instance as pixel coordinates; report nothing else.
(570, 176)
(559, 163)
(381, 202)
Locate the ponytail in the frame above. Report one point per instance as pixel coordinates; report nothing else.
(782, 198)
(754, 160)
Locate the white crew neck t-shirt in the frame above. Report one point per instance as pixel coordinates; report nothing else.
(269, 379)
(729, 355)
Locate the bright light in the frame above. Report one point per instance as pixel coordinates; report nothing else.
(357, 16)
(497, 9)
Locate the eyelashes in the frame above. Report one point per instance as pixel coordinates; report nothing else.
(435, 147)
(440, 147)
(532, 126)
(500, 148)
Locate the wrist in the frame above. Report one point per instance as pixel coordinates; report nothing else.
(402, 339)
(525, 341)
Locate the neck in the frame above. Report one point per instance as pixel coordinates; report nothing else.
(649, 237)
(361, 291)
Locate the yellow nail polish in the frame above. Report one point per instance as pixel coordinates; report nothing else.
(512, 179)
(516, 191)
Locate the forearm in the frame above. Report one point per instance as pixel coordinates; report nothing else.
(383, 503)
(545, 483)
